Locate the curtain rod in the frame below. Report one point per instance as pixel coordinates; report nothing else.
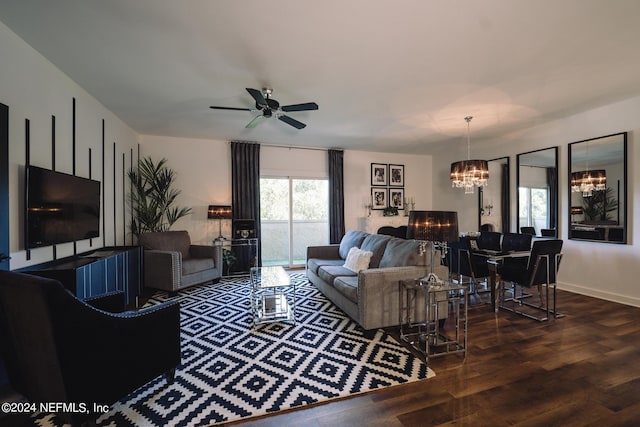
(299, 147)
(291, 146)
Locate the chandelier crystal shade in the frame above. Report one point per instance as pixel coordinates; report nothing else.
(469, 174)
(586, 182)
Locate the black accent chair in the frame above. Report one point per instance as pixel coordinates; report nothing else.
(463, 264)
(516, 242)
(400, 232)
(58, 348)
(487, 227)
(548, 232)
(528, 230)
(490, 240)
(538, 270)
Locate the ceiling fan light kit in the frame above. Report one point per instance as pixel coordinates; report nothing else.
(270, 107)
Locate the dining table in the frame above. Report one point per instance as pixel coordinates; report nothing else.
(495, 259)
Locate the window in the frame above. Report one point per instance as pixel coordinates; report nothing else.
(534, 207)
(294, 214)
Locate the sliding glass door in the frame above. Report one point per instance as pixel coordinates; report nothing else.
(294, 214)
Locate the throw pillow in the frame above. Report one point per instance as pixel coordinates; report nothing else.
(357, 260)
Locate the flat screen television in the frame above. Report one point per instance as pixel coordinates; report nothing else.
(60, 208)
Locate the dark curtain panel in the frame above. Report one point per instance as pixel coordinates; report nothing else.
(245, 185)
(336, 196)
(552, 182)
(504, 199)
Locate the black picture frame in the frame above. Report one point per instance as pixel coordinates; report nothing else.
(379, 174)
(396, 175)
(379, 198)
(396, 198)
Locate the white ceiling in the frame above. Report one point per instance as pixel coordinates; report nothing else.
(393, 76)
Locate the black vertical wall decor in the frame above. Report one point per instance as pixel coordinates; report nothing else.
(53, 167)
(104, 196)
(115, 228)
(4, 207)
(124, 201)
(27, 162)
(4, 187)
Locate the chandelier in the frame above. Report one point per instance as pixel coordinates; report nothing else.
(469, 174)
(586, 181)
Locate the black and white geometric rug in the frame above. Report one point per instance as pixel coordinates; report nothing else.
(230, 371)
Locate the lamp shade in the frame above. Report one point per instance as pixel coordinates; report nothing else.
(219, 212)
(433, 226)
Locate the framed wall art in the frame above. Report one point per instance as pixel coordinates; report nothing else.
(379, 198)
(396, 175)
(396, 198)
(379, 174)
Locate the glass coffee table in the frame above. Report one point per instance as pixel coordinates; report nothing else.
(273, 295)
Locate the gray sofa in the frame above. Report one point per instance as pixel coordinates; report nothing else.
(370, 297)
(172, 263)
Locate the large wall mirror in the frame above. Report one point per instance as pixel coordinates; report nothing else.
(598, 189)
(537, 177)
(493, 200)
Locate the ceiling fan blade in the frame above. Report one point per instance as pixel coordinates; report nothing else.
(257, 95)
(300, 107)
(255, 122)
(230, 108)
(293, 122)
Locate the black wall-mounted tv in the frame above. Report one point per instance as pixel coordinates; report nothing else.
(60, 208)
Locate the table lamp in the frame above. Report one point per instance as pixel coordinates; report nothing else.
(219, 212)
(438, 227)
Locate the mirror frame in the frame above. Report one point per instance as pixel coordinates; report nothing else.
(507, 196)
(556, 207)
(621, 194)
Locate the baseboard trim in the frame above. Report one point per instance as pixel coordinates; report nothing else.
(598, 293)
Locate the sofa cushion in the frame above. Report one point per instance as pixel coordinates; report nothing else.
(329, 272)
(178, 241)
(347, 286)
(357, 259)
(314, 263)
(349, 240)
(196, 265)
(376, 244)
(401, 253)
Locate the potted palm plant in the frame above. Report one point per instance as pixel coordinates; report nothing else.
(153, 197)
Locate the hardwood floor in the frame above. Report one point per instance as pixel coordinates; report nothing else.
(580, 370)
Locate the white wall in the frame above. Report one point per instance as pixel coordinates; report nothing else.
(602, 270)
(35, 89)
(204, 177)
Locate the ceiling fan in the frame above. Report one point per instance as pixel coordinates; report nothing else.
(270, 107)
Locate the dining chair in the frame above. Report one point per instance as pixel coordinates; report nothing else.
(538, 270)
(516, 242)
(528, 230)
(463, 265)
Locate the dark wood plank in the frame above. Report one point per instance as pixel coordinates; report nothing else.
(582, 369)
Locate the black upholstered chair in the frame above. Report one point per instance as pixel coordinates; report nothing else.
(400, 232)
(538, 270)
(58, 348)
(528, 230)
(467, 267)
(548, 232)
(516, 242)
(490, 240)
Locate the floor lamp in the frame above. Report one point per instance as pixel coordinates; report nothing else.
(219, 212)
(437, 227)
